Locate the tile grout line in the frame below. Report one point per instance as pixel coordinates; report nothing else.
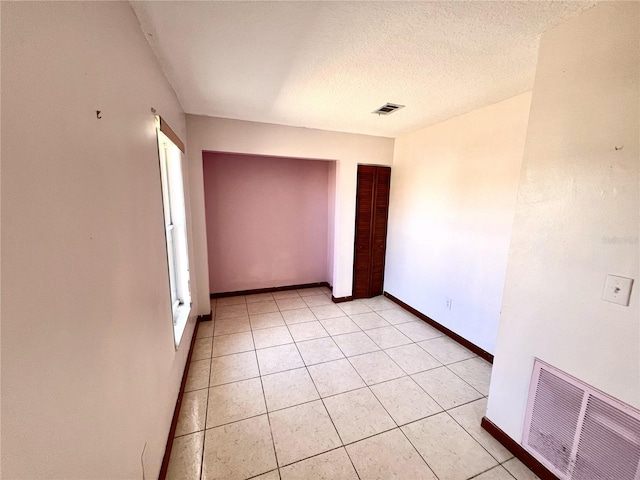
(509, 471)
(467, 359)
(262, 386)
(360, 354)
(206, 410)
(418, 452)
(392, 419)
(451, 416)
(266, 408)
(314, 456)
(488, 470)
(343, 446)
(474, 439)
(479, 392)
(322, 398)
(409, 375)
(347, 358)
(398, 426)
(323, 404)
(329, 396)
(265, 399)
(351, 356)
(264, 473)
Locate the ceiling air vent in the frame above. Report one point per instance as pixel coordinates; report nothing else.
(388, 108)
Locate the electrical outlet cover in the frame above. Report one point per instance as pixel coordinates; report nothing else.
(617, 289)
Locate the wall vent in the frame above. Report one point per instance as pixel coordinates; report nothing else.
(578, 432)
(388, 108)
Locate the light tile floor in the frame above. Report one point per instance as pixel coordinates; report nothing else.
(291, 386)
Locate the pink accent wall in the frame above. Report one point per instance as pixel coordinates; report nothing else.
(267, 220)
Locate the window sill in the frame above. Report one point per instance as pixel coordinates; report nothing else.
(180, 323)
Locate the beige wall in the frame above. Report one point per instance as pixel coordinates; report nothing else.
(235, 136)
(453, 195)
(576, 217)
(89, 370)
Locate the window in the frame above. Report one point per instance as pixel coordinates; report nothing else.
(170, 155)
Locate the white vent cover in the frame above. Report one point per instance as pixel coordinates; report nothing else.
(578, 432)
(388, 108)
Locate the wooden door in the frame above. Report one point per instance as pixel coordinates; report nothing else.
(372, 211)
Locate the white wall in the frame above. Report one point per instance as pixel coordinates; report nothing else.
(235, 136)
(453, 193)
(576, 218)
(89, 369)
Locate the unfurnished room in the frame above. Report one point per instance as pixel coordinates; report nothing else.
(320, 240)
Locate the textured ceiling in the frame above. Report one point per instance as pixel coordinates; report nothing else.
(328, 65)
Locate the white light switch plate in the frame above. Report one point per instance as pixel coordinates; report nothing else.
(617, 289)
